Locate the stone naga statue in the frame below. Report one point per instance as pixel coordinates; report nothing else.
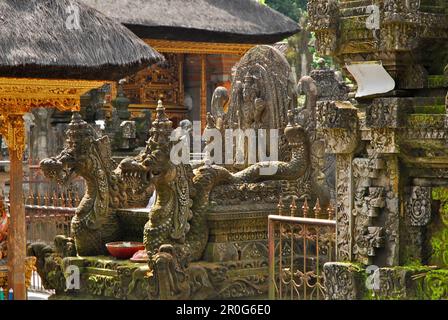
(263, 90)
(308, 87)
(176, 232)
(89, 156)
(179, 214)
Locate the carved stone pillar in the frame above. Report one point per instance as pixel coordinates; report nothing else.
(344, 206)
(339, 124)
(417, 216)
(384, 120)
(323, 21)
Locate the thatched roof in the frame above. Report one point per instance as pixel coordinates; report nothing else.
(239, 21)
(35, 42)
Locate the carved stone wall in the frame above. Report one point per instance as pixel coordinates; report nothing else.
(393, 31)
(392, 158)
(391, 194)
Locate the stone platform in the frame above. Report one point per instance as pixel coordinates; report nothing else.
(107, 278)
(349, 281)
(235, 262)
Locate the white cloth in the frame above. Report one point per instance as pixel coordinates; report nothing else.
(371, 78)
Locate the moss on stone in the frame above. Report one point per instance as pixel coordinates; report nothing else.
(408, 282)
(355, 267)
(414, 276)
(420, 118)
(439, 244)
(414, 268)
(437, 81)
(440, 194)
(425, 121)
(435, 286)
(439, 236)
(435, 109)
(352, 23)
(409, 256)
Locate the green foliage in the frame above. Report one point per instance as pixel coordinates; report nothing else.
(298, 53)
(301, 43)
(316, 57)
(290, 8)
(430, 109)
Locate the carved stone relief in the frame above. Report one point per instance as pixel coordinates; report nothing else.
(418, 206)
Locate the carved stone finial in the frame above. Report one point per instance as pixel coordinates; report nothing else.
(160, 105)
(162, 126)
(76, 117)
(160, 112)
(121, 102)
(78, 127)
(120, 91)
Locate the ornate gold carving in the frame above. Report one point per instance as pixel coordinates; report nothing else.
(159, 81)
(18, 95)
(13, 129)
(198, 47)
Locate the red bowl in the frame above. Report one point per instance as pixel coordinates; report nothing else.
(124, 249)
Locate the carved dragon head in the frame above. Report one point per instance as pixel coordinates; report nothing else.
(82, 146)
(135, 176)
(153, 166)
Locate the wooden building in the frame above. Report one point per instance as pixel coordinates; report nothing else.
(47, 65)
(201, 41)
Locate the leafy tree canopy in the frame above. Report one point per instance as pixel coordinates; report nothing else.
(290, 8)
